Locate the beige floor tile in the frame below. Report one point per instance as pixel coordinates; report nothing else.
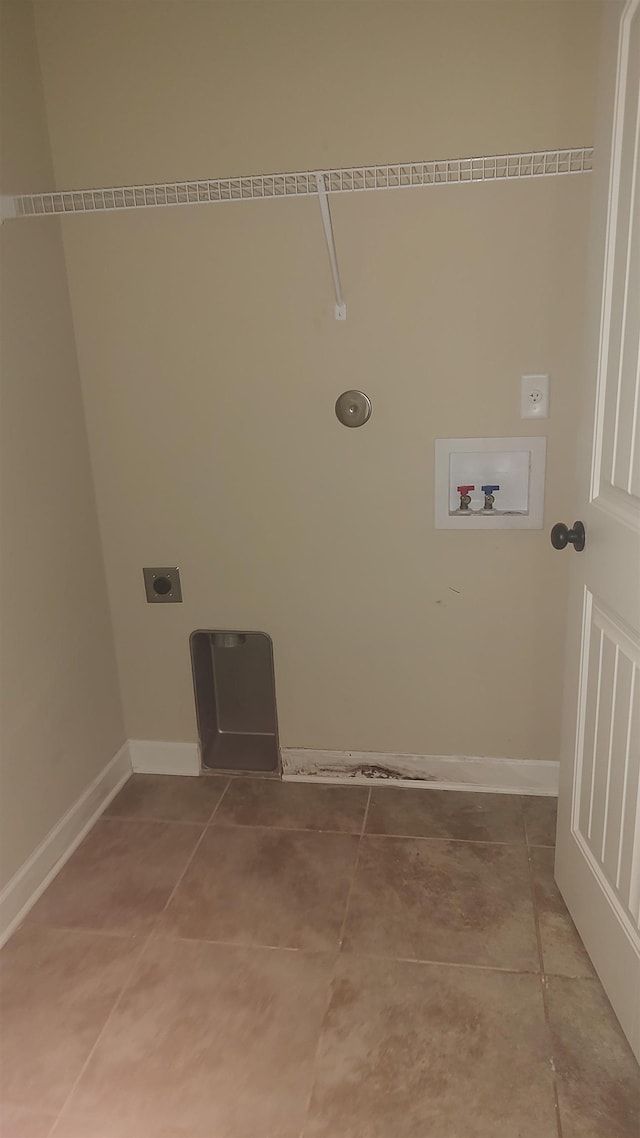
(139, 1127)
(259, 886)
(598, 1077)
(58, 988)
(168, 798)
(540, 816)
(147, 1127)
(119, 878)
(446, 814)
(428, 1051)
(68, 1127)
(563, 951)
(18, 1122)
(445, 901)
(209, 1041)
(293, 805)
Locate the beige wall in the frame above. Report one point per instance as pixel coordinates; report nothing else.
(211, 361)
(61, 716)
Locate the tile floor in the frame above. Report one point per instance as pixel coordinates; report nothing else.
(247, 958)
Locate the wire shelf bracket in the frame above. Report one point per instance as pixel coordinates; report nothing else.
(340, 306)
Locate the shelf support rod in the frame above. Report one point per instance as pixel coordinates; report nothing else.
(340, 308)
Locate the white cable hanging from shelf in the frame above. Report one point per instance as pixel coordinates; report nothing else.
(351, 179)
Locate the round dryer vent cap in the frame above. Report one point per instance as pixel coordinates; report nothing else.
(353, 408)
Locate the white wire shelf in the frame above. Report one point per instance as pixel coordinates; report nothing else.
(506, 167)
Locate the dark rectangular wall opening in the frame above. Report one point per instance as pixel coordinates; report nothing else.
(234, 687)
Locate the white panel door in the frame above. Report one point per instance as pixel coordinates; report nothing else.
(598, 849)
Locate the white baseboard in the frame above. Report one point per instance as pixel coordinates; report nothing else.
(31, 880)
(435, 772)
(149, 756)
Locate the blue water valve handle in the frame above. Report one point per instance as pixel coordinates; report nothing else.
(488, 496)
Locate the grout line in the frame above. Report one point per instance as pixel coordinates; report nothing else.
(134, 965)
(369, 834)
(259, 946)
(524, 824)
(544, 992)
(113, 934)
(444, 963)
(141, 818)
(366, 812)
(170, 821)
(213, 812)
(193, 854)
(538, 845)
(355, 869)
(227, 825)
(130, 973)
(312, 1073)
(340, 943)
(367, 955)
(460, 841)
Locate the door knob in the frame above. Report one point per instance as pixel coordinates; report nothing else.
(562, 536)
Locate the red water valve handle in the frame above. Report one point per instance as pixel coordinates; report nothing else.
(464, 489)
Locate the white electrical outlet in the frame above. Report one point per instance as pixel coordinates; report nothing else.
(534, 397)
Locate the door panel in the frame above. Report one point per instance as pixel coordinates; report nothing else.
(607, 759)
(598, 847)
